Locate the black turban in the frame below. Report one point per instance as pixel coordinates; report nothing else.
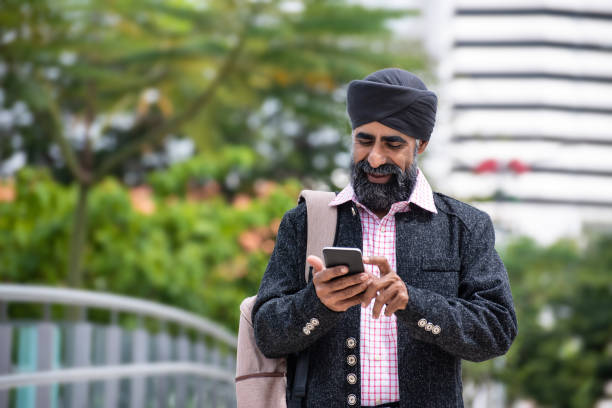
(397, 99)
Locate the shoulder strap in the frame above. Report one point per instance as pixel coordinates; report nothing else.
(322, 220)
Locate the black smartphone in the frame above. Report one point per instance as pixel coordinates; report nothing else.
(351, 257)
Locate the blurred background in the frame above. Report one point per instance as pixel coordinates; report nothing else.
(148, 151)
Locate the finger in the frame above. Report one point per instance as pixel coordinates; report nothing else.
(380, 261)
(395, 304)
(351, 291)
(398, 301)
(373, 289)
(316, 262)
(347, 281)
(350, 302)
(369, 294)
(387, 294)
(328, 274)
(378, 305)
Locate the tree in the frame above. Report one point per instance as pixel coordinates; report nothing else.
(563, 297)
(96, 85)
(192, 249)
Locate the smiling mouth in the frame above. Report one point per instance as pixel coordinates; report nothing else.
(384, 178)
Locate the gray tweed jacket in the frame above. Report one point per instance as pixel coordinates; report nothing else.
(455, 281)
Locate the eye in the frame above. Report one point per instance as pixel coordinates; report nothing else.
(364, 142)
(395, 146)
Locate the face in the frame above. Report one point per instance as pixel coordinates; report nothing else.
(384, 165)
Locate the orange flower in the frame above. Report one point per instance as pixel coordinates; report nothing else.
(241, 202)
(7, 191)
(275, 225)
(200, 193)
(263, 188)
(142, 200)
(268, 246)
(250, 241)
(282, 77)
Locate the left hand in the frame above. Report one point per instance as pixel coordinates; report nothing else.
(388, 290)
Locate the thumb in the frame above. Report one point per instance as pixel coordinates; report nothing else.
(316, 262)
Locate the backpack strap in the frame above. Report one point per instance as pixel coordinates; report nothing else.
(322, 220)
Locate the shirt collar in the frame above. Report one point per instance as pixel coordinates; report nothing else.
(421, 195)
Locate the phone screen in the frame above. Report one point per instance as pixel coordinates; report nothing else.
(351, 257)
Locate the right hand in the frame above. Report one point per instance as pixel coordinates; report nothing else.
(341, 293)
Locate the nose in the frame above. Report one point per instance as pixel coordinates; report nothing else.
(376, 158)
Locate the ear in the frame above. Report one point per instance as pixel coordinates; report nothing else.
(422, 145)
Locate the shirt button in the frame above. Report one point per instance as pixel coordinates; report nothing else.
(422, 323)
(351, 378)
(351, 342)
(314, 321)
(351, 360)
(377, 356)
(351, 399)
(378, 401)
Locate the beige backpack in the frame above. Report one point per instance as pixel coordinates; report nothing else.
(261, 382)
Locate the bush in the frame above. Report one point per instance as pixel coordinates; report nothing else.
(203, 254)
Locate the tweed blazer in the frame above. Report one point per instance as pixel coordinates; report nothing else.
(455, 280)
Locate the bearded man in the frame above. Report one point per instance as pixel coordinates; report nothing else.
(434, 291)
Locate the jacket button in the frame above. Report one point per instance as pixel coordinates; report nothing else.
(306, 331)
(351, 360)
(429, 326)
(351, 378)
(351, 399)
(436, 329)
(310, 326)
(351, 342)
(422, 323)
(314, 321)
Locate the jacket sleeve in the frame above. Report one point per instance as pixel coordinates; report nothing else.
(285, 304)
(480, 322)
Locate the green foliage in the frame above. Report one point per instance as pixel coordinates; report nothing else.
(80, 64)
(94, 88)
(563, 295)
(240, 163)
(186, 253)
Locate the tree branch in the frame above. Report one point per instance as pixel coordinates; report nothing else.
(67, 152)
(155, 135)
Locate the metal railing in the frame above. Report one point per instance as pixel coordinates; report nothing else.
(77, 363)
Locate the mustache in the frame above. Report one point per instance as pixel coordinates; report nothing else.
(364, 167)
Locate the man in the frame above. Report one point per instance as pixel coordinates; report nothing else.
(434, 292)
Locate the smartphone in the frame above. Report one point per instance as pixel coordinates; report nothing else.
(351, 257)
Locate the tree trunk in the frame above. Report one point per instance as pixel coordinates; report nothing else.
(78, 238)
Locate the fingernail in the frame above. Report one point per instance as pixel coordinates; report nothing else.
(364, 277)
(344, 269)
(366, 259)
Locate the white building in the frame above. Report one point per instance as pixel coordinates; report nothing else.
(524, 127)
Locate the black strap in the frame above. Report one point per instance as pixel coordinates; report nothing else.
(298, 391)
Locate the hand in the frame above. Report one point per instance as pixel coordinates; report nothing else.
(388, 290)
(335, 291)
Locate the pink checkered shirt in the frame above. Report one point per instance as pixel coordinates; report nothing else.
(378, 345)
